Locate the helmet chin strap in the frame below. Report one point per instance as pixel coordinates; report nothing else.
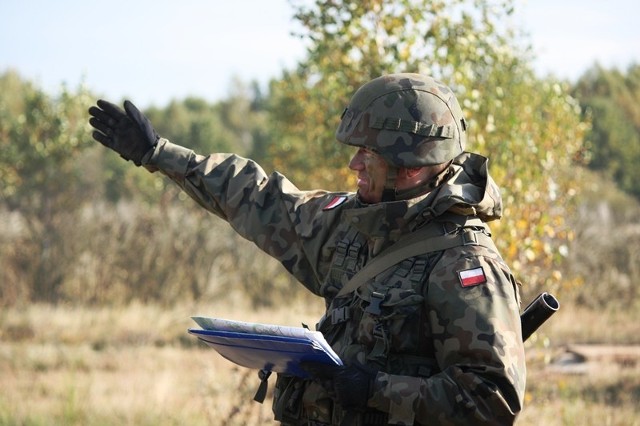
(389, 191)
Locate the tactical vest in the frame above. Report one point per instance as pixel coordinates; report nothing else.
(382, 324)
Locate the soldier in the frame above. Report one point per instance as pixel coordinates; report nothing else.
(431, 337)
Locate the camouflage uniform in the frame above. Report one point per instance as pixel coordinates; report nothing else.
(446, 350)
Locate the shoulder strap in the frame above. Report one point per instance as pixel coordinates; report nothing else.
(422, 241)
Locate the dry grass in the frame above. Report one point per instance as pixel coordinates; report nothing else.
(137, 366)
(133, 365)
(601, 394)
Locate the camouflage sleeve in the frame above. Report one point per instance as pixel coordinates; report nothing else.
(265, 209)
(473, 319)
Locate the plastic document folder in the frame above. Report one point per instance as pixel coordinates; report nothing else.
(265, 346)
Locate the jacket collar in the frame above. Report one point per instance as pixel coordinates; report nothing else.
(469, 191)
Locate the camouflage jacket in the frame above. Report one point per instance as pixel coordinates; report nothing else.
(451, 350)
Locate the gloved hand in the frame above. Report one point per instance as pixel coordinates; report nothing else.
(129, 133)
(349, 385)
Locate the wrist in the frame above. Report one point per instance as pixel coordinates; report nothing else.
(146, 158)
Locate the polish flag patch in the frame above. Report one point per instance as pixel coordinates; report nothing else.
(471, 277)
(335, 202)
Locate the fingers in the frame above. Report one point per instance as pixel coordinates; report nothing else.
(105, 118)
(102, 138)
(100, 114)
(134, 114)
(102, 126)
(112, 110)
(131, 110)
(107, 113)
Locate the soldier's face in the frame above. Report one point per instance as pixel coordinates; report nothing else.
(372, 174)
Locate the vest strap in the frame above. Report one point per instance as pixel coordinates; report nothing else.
(427, 239)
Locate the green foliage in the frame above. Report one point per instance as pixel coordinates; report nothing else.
(74, 224)
(532, 132)
(611, 100)
(230, 125)
(41, 140)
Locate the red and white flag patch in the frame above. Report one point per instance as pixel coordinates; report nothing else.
(471, 277)
(335, 202)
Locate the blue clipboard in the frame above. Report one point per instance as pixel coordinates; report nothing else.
(280, 354)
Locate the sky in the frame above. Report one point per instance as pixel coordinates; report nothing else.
(153, 51)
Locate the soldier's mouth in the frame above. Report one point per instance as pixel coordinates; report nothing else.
(362, 182)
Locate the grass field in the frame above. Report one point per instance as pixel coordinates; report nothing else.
(137, 366)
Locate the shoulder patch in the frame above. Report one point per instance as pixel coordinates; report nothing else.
(335, 202)
(472, 277)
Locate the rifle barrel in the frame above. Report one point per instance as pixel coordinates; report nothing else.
(537, 312)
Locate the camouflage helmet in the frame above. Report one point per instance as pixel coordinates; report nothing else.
(411, 120)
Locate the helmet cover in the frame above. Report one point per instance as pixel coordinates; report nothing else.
(411, 120)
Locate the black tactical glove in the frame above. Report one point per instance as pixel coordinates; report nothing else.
(349, 385)
(129, 133)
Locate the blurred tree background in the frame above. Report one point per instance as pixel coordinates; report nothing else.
(79, 224)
